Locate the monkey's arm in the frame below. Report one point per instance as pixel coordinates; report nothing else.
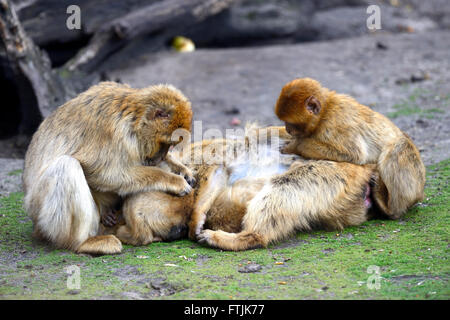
(280, 130)
(144, 178)
(179, 168)
(312, 149)
(273, 132)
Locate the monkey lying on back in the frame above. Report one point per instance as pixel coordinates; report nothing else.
(332, 126)
(244, 205)
(95, 149)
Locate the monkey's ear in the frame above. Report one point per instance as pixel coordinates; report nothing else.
(313, 105)
(157, 113)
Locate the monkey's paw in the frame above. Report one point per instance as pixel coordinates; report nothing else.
(182, 188)
(189, 177)
(195, 229)
(206, 237)
(290, 148)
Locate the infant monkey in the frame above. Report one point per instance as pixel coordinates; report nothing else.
(96, 148)
(331, 126)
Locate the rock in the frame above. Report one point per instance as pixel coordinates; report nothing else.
(73, 292)
(250, 268)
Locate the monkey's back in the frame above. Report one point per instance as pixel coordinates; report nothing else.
(83, 124)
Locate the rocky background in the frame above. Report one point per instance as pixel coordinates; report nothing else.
(245, 51)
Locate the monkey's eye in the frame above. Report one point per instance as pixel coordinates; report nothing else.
(161, 114)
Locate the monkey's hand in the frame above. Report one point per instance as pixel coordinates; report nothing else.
(290, 148)
(179, 186)
(189, 177)
(180, 169)
(108, 218)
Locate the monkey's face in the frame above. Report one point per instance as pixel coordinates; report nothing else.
(296, 130)
(159, 156)
(299, 106)
(166, 122)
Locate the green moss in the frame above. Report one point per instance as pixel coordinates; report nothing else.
(17, 172)
(411, 254)
(411, 106)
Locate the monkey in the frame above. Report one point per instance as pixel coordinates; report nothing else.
(236, 211)
(103, 145)
(311, 195)
(331, 126)
(152, 216)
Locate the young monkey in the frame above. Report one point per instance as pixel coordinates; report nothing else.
(331, 126)
(96, 148)
(239, 205)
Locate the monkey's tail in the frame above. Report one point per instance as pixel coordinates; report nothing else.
(402, 175)
(61, 204)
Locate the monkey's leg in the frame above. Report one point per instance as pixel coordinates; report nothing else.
(403, 174)
(145, 214)
(64, 211)
(214, 181)
(244, 240)
(126, 235)
(272, 216)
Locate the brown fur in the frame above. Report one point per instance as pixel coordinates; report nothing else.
(314, 194)
(256, 211)
(331, 126)
(97, 148)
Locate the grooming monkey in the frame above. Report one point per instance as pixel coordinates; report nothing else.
(331, 126)
(266, 204)
(96, 148)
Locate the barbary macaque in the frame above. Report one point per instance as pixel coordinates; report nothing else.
(237, 205)
(331, 126)
(102, 145)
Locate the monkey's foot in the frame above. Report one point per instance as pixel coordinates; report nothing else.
(206, 237)
(243, 240)
(98, 245)
(195, 228)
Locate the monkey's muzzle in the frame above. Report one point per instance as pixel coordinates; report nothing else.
(158, 156)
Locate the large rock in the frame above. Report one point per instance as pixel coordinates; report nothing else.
(382, 71)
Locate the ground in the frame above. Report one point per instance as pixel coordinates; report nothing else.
(402, 76)
(405, 259)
